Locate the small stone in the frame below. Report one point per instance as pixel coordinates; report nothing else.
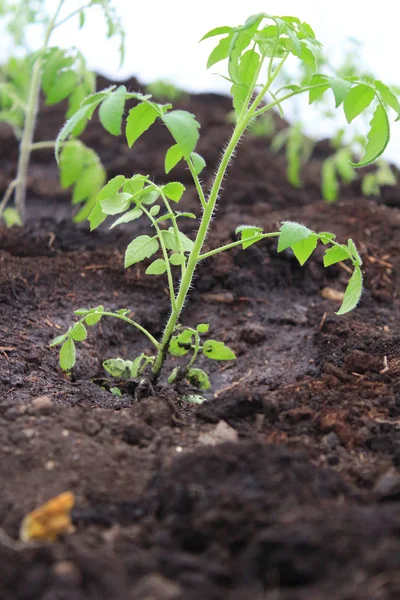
(42, 404)
(221, 433)
(28, 433)
(388, 486)
(156, 587)
(253, 333)
(332, 294)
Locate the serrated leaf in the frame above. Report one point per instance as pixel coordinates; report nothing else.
(140, 248)
(184, 129)
(174, 190)
(353, 292)
(131, 215)
(140, 118)
(67, 355)
(89, 182)
(157, 267)
(199, 378)
(71, 163)
(111, 188)
(335, 254)
(81, 115)
(317, 92)
(388, 96)
(377, 139)
(354, 253)
(118, 367)
(357, 100)
(303, 250)
(173, 156)
(326, 237)
(94, 316)
(198, 162)
(120, 202)
(291, 233)
(78, 332)
(112, 109)
(217, 351)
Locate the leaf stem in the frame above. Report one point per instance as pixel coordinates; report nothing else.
(261, 236)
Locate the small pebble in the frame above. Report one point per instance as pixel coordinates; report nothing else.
(42, 404)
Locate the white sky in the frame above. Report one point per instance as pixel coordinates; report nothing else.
(162, 39)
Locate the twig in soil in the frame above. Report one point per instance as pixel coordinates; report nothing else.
(385, 366)
(322, 322)
(233, 385)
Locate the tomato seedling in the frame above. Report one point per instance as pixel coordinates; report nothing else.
(255, 53)
(60, 74)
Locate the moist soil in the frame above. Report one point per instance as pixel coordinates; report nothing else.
(285, 483)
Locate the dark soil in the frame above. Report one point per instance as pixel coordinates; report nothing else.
(285, 484)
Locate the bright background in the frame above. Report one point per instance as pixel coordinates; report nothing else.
(162, 41)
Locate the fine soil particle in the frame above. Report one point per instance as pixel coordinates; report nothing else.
(285, 483)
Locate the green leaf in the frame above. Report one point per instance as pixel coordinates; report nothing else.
(198, 162)
(89, 181)
(111, 188)
(246, 232)
(216, 31)
(94, 316)
(173, 156)
(354, 253)
(193, 399)
(120, 202)
(140, 248)
(340, 88)
(71, 163)
(291, 233)
(61, 88)
(81, 115)
(157, 267)
(140, 118)
(199, 378)
(131, 215)
(79, 333)
(67, 355)
(177, 259)
(136, 365)
(220, 52)
(378, 137)
(112, 109)
(96, 217)
(181, 344)
(171, 241)
(388, 96)
(247, 68)
(173, 375)
(155, 210)
(58, 340)
(184, 129)
(118, 367)
(357, 100)
(116, 391)
(335, 254)
(303, 249)
(317, 92)
(174, 190)
(12, 218)
(217, 351)
(353, 292)
(326, 237)
(202, 327)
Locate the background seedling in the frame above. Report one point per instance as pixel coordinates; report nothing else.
(255, 53)
(60, 74)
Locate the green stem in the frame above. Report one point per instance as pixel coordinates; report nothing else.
(165, 255)
(127, 320)
(174, 225)
(7, 195)
(43, 145)
(195, 349)
(75, 12)
(30, 121)
(197, 183)
(254, 238)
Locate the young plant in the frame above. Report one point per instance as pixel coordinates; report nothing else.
(165, 90)
(60, 74)
(256, 52)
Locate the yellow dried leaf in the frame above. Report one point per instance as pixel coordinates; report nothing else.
(49, 520)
